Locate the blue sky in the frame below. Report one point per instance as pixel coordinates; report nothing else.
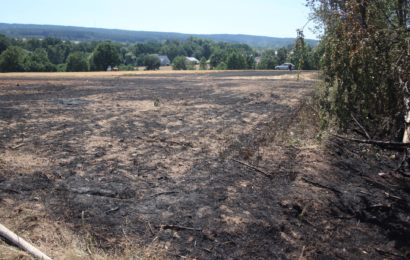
(277, 18)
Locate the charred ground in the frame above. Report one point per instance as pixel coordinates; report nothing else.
(208, 166)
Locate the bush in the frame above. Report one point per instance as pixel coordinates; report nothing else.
(179, 63)
(202, 64)
(123, 67)
(366, 64)
(61, 67)
(105, 55)
(77, 61)
(221, 66)
(152, 62)
(236, 61)
(268, 61)
(12, 59)
(38, 61)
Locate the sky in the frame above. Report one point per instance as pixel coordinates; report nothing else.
(275, 18)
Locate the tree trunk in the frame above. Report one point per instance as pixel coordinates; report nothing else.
(406, 136)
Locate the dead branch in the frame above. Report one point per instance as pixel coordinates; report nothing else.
(17, 146)
(112, 210)
(321, 185)
(301, 257)
(382, 144)
(21, 243)
(176, 227)
(163, 193)
(253, 167)
(361, 127)
(150, 229)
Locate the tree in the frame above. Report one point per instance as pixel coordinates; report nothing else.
(202, 64)
(77, 61)
(173, 49)
(235, 61)
(130, 59)
(268, 60)
(152, 62)
(4, 43)
(12, 59)
(105, 55)
(221, 66)
(216, 58)
(365, 62)
(37, 61)
(58, 53)
(179, 63)
(206, 50)
(282, 55)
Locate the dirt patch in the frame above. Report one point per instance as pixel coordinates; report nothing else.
(191, 165)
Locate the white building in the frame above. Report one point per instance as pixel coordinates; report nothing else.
(192, 60)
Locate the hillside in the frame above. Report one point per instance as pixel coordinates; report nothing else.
(97, 34)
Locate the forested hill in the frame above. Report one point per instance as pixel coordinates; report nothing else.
(96, 34)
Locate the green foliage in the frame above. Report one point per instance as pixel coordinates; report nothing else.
(304, 57)
(282, 55)
(221, 66)
(221, 55)
(179, 63)
(236, 61)
(38, 61)
(365, 62)
(12, 59)
(216, 58)
(123, 67)
(130, 59)
(59, 53)
(250, 61)
(77, 61)
(152, 62)
(105, 55)
(202, 64)
(61, 67)
(4, 43)
(268, 60)
(173, 49)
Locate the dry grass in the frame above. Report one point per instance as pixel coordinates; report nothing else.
(110, 74)
(95, 74)
(62, 240)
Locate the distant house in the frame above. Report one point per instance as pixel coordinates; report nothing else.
(192, 60)
(164, 60)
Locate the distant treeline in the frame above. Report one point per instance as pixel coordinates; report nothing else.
(74, 33)
(53, 54)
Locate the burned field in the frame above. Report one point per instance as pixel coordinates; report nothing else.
(206, 166)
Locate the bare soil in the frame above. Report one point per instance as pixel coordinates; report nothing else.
(225, 165)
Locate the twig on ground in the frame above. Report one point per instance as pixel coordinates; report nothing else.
(388, 195)
(17, 146)
(254, 168)
(112, 210)
(301, 257)
(207, 250)
(21, 243)
(321, 185)
(163, 193)
(179, 227)
(361, 127)
(150, 229)
(383, 252)
(383, 144)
